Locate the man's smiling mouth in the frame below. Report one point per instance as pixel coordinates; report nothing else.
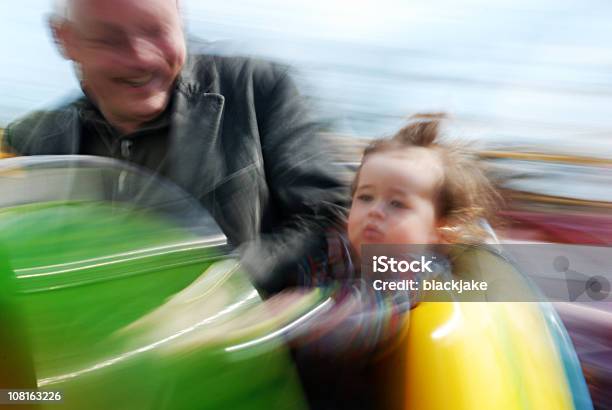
(137, 81)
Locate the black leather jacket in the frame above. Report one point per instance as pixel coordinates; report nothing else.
(243, 144)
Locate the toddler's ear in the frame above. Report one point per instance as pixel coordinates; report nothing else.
(445, 233)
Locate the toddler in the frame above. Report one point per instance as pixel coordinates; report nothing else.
(409, 189)
(414, 189)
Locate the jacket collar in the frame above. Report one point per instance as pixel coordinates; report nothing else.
(61, 132)
(195, 158)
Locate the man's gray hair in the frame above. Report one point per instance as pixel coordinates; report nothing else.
(61, 9)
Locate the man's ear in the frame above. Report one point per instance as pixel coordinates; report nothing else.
(63, 37)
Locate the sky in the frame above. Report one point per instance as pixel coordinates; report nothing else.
(505, 69)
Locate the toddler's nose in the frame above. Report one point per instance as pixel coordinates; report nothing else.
(377, 210)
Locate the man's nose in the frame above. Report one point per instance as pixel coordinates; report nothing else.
(141, 53)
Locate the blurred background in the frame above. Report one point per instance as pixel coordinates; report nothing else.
(528, 76)
(528, 81)
(514, 71)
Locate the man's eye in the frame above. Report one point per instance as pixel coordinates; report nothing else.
(364, 197)
(105, 41)
(153, 32)
(398, 204)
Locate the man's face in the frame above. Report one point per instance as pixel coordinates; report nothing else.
(129, 53)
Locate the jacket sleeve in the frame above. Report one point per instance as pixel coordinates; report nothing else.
(305, 186)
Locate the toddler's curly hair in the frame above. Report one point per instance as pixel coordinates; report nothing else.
(466, 196)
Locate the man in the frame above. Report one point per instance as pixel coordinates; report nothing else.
(232, 132)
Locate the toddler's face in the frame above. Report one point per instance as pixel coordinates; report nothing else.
(394, 199)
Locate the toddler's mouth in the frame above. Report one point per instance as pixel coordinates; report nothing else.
(372, 232)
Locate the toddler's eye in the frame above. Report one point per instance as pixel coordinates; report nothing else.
(364, 197)
(398, 204)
